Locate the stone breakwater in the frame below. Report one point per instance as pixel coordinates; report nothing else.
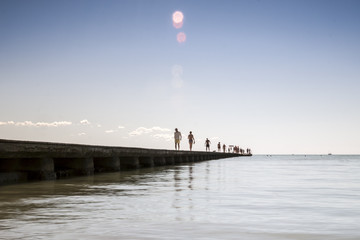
(22, 161)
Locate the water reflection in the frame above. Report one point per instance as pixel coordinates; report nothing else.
(207, 174)
(190, 177)
(228, 199)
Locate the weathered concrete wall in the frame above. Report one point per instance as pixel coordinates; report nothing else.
(73, 166)
(25, 160)
(24, 168)
(107, 164)
(147, 161)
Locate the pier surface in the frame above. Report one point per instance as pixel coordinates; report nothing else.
(22, 161)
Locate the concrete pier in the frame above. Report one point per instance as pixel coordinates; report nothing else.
(147, 161)
(107, 164)
(22, 161)
(128, 163)
(161, 161)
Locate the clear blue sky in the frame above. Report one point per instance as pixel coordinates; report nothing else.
(274, 76)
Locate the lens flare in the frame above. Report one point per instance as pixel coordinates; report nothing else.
(178, 17)
(177, 71)
(181, 37)
(177, 25)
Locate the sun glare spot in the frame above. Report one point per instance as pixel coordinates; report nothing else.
(181, 37)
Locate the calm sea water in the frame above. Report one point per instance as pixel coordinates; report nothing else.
(259, 197)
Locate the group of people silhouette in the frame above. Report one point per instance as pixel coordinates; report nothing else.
(191, 138)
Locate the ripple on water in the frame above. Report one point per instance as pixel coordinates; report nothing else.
(277, 197)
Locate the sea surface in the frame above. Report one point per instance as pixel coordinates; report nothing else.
(256, 198)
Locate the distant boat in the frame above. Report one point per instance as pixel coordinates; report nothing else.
(329, 154)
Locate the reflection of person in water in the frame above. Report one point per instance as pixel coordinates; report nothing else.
(207, 144)
(191, 140)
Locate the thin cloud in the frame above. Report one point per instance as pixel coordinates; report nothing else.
(142, 130)
(166, 136)
(7, 123)
(110, 131)
(161, 129)
(37, 124)
(121, 127)
(85, 122)
(81, 134)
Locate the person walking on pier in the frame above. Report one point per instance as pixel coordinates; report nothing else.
(219, 147)
(191, 140)
(224, 148)
(207, 144)
(177, 137)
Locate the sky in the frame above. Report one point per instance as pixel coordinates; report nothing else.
(279, 77)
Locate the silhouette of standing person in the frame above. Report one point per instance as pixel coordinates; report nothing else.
(224, 148)
(219, 147)
(177, 137)
(207, 144)
(191, 140)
